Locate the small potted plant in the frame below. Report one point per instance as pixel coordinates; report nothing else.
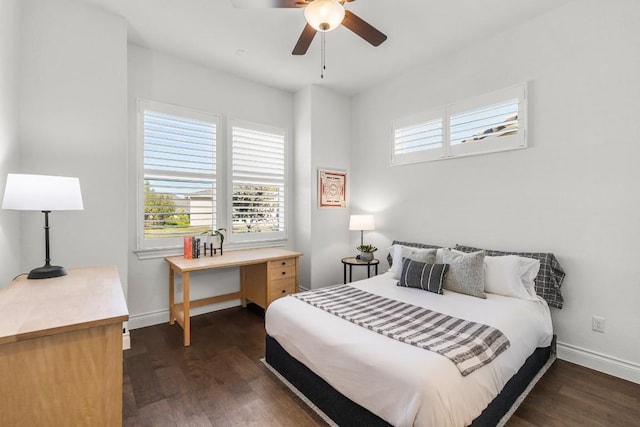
(366, 252)
(215, 238)
(219, 234)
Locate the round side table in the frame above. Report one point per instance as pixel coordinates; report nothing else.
(351, 261)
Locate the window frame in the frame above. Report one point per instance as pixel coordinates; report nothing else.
(472, 148)
(256, 239)
(159, 246)
(492, 144)
(156, 248)
(427, 155)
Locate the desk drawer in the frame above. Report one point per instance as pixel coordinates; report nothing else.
(287, 262)
(282, 272)
(281, 288)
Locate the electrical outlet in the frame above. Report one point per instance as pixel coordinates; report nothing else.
(598, 324)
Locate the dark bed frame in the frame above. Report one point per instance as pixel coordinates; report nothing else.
(345, 412)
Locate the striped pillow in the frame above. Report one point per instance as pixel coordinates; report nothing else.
(428, 277)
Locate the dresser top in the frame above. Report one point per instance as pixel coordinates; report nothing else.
(84, 298)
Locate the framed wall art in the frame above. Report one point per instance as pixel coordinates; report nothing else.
(332, 188)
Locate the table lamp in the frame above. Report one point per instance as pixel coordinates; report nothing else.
(43, 193)
(362, 223)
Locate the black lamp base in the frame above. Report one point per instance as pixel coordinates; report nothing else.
(46, 272)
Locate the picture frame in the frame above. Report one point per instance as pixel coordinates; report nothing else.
(332, 189)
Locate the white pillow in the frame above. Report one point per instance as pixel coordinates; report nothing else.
(529, 269)
(427, 256)
(511, 276)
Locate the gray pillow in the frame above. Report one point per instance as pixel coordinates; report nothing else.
(466, 272)
(427, 256)
(413, 245)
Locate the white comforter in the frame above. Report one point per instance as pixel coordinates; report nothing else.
(400, 383)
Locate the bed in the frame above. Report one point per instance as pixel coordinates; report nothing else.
(357, 376)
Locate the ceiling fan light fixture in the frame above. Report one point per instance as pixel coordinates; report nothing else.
(324, 15)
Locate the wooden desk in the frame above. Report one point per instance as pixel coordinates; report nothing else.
(266, 274)
(61, 349)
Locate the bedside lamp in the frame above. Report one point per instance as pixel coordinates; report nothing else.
(43, 193)
(362, 223)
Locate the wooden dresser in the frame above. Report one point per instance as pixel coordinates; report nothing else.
(61, 350)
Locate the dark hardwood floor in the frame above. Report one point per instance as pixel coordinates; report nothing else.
(220, 381)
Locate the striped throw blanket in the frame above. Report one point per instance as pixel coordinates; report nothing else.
(467, 344)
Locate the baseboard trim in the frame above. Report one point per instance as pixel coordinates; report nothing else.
(126, 340)
(137, 321)
(143, 320)
(600, 362)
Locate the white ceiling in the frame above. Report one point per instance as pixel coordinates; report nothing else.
(256, 43)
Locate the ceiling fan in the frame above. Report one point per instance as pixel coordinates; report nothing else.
(323, 16)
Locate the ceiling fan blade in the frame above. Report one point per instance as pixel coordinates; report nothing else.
(304, 41)
(363, 29)
(263, 4)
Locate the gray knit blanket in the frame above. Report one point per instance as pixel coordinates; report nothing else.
(469, 345)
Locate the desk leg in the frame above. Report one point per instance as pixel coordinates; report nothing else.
(172, 302)
(185, 304)
(243, 287)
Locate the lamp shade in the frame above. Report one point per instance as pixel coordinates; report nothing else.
(361, 222)
(42, 193)
(324, 15)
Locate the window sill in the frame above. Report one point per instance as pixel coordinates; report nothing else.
(157, 252)
(153, 253)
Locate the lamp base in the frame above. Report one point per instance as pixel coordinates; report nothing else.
(46, 272)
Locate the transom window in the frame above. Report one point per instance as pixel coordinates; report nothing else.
(488, 123)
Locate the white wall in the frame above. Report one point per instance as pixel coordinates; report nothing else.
(303, 179)
(164, 78)
(10, 242)
(73, 123)
(330, 149)
(322, 141)
(573, 192)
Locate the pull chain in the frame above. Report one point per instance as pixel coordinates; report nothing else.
(322, 55)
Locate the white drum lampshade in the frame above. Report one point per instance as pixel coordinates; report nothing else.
(362, 223)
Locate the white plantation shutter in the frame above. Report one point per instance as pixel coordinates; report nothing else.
(485, 122)
(488, 123)
(178, 144)
(179, 173)
(258, 182)
(418, 138)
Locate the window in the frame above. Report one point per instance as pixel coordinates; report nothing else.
(178, 196)
(488, 123)
(418, 138)
(257, 182)
(193, 178)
